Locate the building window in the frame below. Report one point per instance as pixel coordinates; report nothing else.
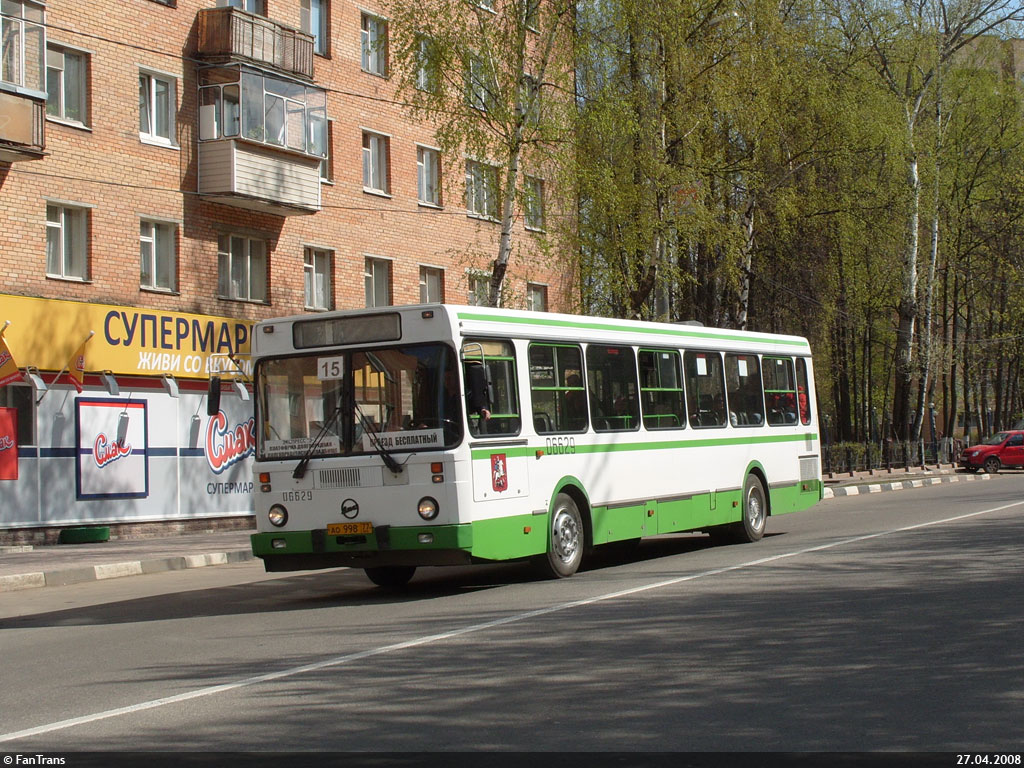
(318, 278)
(327, 164)
(378, 282)
(426, 64)
(534, 203)
(22, 45)
(536, 297)
(66, 85)
(478, 81)
(157, 107)
(314, 15)
(532, 14)
(428, 173)
(242, 263)
(157, 255)
(375, 162)
(374, 45)
(67, 242)
(252, 6)
(479, 289)
(481, 190)
(529, 97)
(431, 285)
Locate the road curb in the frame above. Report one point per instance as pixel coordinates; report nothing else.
(901, 485)
(63, 576)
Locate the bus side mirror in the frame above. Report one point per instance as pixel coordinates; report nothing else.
(213, 397)
(477, 390)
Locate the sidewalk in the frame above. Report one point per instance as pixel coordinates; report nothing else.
(858, 483)
(56, 565)
(60, 564)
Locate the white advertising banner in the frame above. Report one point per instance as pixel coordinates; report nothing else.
(112, 455)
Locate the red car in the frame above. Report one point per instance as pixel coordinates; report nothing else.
(1003, 449)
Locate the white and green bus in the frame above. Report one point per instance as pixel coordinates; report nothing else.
(399, 437)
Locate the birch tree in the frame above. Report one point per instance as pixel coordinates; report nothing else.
(495, 78)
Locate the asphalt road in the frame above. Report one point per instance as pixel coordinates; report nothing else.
(882, 622)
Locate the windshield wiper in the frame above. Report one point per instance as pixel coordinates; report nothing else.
(389, 460)
(300, 468)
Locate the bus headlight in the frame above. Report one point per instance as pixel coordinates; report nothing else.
(277, 515)
(427, 508)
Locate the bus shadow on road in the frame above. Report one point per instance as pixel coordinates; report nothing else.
(349, 588)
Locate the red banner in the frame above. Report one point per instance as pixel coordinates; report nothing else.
(8, 444)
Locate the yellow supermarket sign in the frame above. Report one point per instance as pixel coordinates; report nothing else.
(132, 341)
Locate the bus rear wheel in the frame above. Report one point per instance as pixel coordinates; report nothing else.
(566, 539)
(390, 576)
(755, 512)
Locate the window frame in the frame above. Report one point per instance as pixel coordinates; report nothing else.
(531, 289)
(653, 421)
(427, 272)
(321, 35)
(151, 136)
(741, 415)
(376, 149)
(533, 204)
(78, 214)
(81, 83)
(30, 40)
(478, 288)
(373, 53)
(315, 279)
(170, 228)
(422, 170)
(784, 398)
(694, 396)
(560, 420)
(371, 265)
(226, 268)
(611, 409)
(499, 359)
(482, 190)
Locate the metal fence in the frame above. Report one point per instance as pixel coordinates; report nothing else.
(888, 454)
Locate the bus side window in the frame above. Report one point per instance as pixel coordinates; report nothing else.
(556, 388)
(803, 391)
(661, 389)
(743, 386)
(779, 391)
(705, 389)
(611, 372)
(489, 367)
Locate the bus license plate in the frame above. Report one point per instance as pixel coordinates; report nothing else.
(349, 529)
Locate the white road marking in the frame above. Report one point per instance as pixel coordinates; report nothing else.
(436, 638)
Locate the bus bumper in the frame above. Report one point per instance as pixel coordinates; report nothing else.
(386, 546)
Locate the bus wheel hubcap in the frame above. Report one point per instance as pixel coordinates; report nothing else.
(565, 536)
(755, 510)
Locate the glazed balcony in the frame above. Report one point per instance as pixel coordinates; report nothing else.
(229, 34)
(22, 127)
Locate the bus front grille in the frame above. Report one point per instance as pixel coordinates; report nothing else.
(340, 478)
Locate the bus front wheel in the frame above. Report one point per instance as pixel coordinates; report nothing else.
(566, 538)
(390, 576)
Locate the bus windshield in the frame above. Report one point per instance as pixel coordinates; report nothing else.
(404, 398)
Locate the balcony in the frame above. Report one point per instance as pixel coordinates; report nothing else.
(22, 128)
(228, 34)
(246, 174)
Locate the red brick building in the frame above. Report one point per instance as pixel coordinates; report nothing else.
(203, 164)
